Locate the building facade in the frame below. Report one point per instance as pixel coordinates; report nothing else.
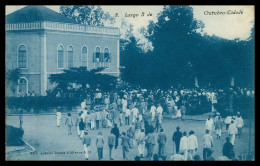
(40, 42)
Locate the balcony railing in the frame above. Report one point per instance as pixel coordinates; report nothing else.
(63, 27)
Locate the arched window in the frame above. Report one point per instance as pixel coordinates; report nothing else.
(70, 56)
(22, 87)
(22, 57)
(97, 55)
(84, 56)
(106, 55)
(60, 57)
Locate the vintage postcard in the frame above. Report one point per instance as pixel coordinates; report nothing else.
(130, 83)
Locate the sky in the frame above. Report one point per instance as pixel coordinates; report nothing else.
(233, 26)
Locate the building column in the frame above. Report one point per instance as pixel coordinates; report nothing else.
(43, 64)
(118, 56)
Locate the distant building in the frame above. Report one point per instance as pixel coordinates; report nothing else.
(40, 42)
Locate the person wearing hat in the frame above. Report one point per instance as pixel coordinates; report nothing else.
(135, 114)
(82, 127)
(69, 122)
(176, 138)
(77, 123)
(130, 133)
(100, 145)
(228, 121)
(116, 132)
(160, 118)
(111, 143)
(232, 131)
(193, 144)
(125, 145)
(209, 124)
(124, 104)
(127, 115)
(159, 109)
(153, 112)
(217, 116)
(140, 139)
(97, 118)
(184, 143)
(92, 120)
(239, 124)
(87, 121)
(86, 143)
(218, 127)
(150, 141)
(161, 141)
(228, 149)
(207, 144)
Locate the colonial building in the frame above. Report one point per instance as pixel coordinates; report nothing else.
(40, 42)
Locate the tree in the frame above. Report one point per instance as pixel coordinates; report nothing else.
(87, 15)
(12, 77)
(81, 76)
(180, 53)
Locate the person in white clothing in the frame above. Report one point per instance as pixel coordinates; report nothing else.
(209, 124)
(232, 131)
(207, 144)
(135, 114)
(153, 111)
(83, 104)
(86, 144)
(124, 104)
(58, 116)
(140, 140)
(178, 114)
(127, 115)
(184, 144)
(239, 124)
(193, 144)
(228, 121)
(159, 109)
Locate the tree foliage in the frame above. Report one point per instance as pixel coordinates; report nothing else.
(180, 54)
(12, 77)
(87, 15)
(87, 80)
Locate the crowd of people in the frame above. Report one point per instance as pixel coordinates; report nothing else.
(196, 100)
(145, 127)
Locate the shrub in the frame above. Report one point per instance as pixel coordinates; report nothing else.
(14, 136)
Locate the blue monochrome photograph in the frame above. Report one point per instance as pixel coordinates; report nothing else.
(129, 83)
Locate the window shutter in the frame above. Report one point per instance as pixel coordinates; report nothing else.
(109, 57)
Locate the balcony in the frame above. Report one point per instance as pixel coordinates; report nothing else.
(63, 27)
